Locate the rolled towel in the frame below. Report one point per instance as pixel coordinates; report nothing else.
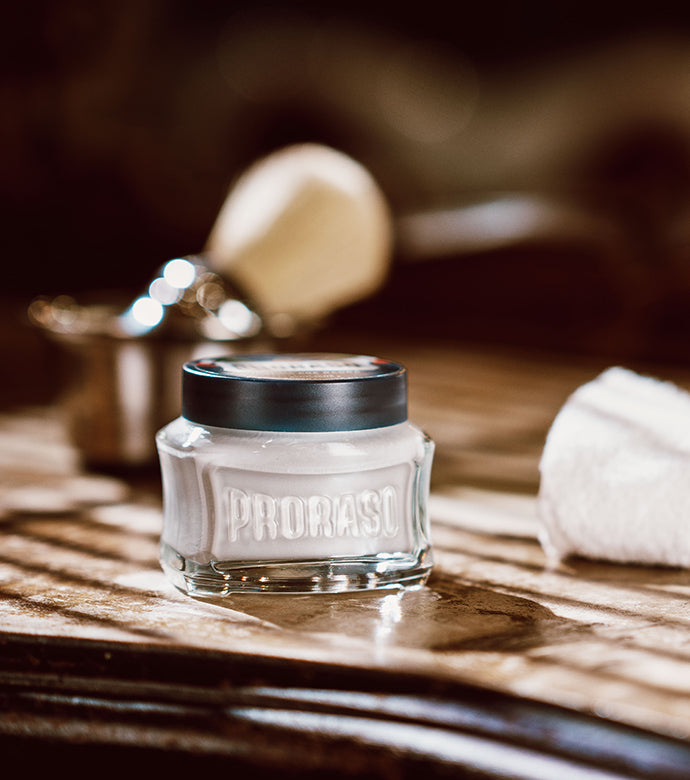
(615, 473)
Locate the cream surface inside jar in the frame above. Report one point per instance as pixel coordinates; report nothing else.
(294, 473)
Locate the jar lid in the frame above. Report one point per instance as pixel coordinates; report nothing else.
(298, 392)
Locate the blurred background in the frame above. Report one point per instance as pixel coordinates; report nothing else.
(535, 157)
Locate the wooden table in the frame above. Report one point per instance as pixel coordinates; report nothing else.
(500, 667)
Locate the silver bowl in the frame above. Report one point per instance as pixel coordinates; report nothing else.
(123, 364)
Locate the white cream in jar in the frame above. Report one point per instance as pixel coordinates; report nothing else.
(294, 473)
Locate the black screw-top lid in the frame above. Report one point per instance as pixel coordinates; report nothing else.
(300, 392)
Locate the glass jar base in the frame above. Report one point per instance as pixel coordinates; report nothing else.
(370, 572)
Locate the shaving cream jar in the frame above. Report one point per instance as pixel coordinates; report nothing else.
(294, 473)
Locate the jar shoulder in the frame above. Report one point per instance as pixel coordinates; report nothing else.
(271, 450)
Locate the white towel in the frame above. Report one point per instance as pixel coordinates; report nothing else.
(615, 473)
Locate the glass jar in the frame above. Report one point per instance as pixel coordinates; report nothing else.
(294, 473)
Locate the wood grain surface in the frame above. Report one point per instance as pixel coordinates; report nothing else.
(607, 643)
